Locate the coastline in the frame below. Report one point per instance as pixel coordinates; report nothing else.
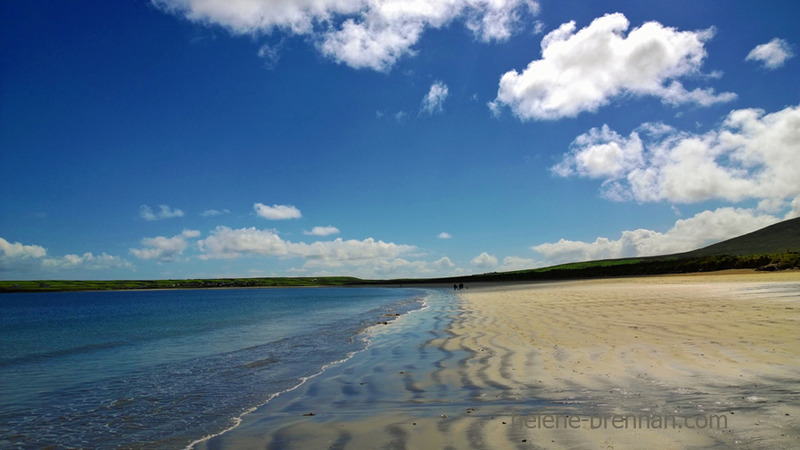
(482, 366)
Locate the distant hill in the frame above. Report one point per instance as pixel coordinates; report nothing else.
(775, 247)
(778, 238)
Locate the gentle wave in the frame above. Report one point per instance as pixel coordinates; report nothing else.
(365, 334)
(166, 401)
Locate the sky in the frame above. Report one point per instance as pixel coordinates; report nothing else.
(388, 138)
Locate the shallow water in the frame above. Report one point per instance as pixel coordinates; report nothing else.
(165, 368)
(398, 374)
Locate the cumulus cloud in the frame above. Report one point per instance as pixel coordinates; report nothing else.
(602, 153)
(433, 101)
(322, 231)
(32, 259)
(387, 30)
(164, 249)
(360, 33)
(390, 268)
(444, 235)
(511, 263)
(255, 17)
(772, 54)
(443, 263)
(703, 229)
(372, 43)
(277, 212)
(484, 261)
(21, 251)
(585, 69)
(18, 257)
(164, 212)
(227, 243)
(86, 261)
(752, 155)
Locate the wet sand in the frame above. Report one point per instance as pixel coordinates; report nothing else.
(669, 362)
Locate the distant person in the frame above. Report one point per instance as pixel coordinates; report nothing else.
(455, 287)
(460, 286)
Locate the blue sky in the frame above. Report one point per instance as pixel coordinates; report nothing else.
(387, 138)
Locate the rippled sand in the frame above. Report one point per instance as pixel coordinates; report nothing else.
(484, 370)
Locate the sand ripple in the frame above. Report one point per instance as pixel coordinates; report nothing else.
(474, 371)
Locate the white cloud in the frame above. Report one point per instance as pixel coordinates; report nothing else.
(752, 155)
(214, 212)
(602, 153)
(698, 231)
(164, 212)
(444, 235)
(277, 212)
(20, 258)
(443, 263)
(260, 16)
(386, 30)
(585, 69)
(29, 260)
(484, 261)
(433, 101)
(227, 243)
(191, 233)
(795, 211)
(372, 43)
(322, 231)
(21, 251)
(511, 263)
(772, 54)
(351, 252)
(360, 33)
(497, 19)
(164, 249)
(86, 261)
(388, 268)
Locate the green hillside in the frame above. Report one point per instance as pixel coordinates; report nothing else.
(776, 247)
(778, 238)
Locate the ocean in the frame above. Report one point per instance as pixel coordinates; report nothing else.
(162, 369)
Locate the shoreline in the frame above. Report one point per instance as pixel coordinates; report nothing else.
(344, 391)
(433, 284)
(366, 335)
(483, 365)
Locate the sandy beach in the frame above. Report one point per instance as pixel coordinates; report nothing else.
(684, 361)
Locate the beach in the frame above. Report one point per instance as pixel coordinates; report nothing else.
(697, 361)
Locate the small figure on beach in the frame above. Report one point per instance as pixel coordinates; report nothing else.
(455, 287)
(460, 286)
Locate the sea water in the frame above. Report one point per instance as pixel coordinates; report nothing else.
(165, 368)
